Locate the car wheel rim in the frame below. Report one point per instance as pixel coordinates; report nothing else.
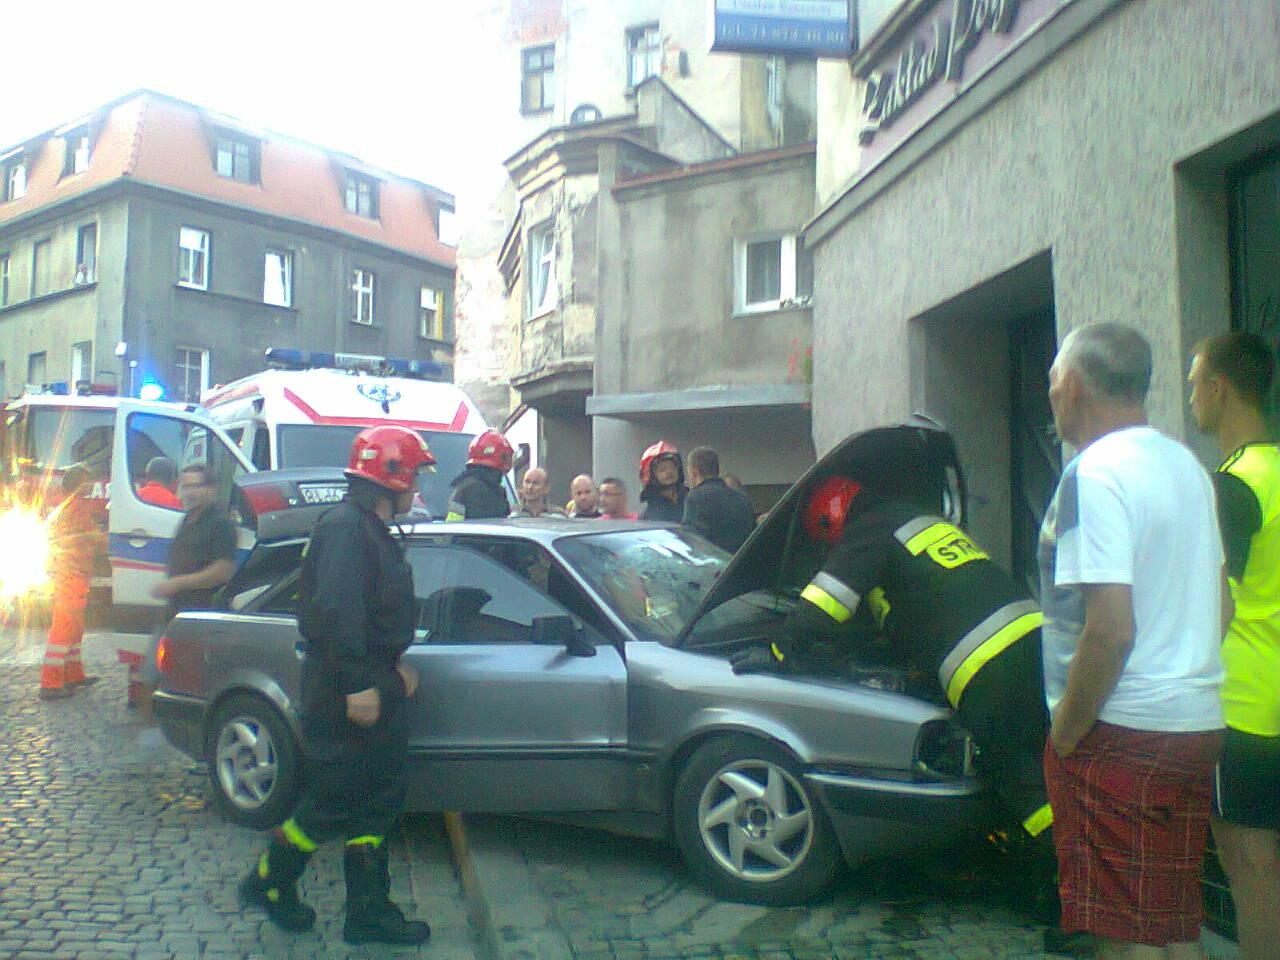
(245, 759)
(756, 821)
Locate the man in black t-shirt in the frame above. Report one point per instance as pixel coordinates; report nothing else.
(203, 555)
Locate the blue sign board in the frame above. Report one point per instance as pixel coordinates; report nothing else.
(819, 28)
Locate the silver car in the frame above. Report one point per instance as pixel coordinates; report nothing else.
(580, 669)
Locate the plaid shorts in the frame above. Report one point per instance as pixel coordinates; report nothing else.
(1131, 817)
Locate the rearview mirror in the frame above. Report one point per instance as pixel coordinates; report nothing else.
(562, 632)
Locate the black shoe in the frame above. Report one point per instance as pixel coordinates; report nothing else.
(1062, 944)
(86, 682)
(56, 693)
(371, 916)
(272, 886)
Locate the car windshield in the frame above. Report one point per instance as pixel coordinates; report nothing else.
(57, 438)
(653, 579)
(305, 445)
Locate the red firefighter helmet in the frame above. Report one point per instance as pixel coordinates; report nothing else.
(827, 506)
(652, 455)
(389, 456)
(490, 449)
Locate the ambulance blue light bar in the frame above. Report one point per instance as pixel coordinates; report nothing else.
(283, 358)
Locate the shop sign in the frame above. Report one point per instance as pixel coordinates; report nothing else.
(930, 63)
(818, 28)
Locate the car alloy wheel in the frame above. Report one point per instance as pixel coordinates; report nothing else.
(245, 756)
(756, 821)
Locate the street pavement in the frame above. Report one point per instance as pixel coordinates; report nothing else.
(109, 849)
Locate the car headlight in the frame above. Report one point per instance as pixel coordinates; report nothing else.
(944, 749)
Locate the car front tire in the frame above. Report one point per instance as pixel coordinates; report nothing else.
(749, 827)
(254, 762)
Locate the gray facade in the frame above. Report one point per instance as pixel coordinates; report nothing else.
(1084, 174)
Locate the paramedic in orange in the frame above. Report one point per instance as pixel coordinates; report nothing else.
(76, 537)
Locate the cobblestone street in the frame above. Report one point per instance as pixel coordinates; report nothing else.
(108, 849)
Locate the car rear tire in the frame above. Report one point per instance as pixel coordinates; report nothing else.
(749, 827)
(254, 762)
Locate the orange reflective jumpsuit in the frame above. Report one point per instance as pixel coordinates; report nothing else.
(76, 536)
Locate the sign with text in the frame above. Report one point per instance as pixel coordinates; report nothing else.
(818, 28)
(933, 60)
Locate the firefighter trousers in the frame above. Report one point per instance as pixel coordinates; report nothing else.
(62, 665)
(1003, 707)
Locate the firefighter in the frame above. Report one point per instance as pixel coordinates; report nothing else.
(955, 615)
(478, 492)
(76, 538)
(663, 489)
(357, 612)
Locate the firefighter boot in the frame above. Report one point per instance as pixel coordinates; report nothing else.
(273, 886)
(371, 916)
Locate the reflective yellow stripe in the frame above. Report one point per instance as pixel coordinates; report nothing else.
(997, 643)
(454, 516)
(264, 868)
(777, 652)
(1039, 822)
(293, 833)
(916, 544)
(825, 602)
(368, 840)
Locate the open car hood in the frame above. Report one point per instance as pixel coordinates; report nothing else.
(916, 461)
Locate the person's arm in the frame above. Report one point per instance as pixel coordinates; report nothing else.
(215, 575)
(1101, 653)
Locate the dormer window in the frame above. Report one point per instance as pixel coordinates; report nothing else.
(362, 195)
(15, 180)
(236, 158)
(77, 155)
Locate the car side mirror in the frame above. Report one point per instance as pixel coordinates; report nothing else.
(562, 632)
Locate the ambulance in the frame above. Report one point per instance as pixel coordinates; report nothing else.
(50, 428)
(305, 410)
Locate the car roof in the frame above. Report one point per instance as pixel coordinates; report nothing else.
(539, 529)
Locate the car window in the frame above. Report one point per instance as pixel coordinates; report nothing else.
(268, 566)
(537, 567)
(183, 442)
(465, 597)
(261, 458)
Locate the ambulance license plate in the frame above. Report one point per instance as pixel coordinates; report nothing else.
(322, 493)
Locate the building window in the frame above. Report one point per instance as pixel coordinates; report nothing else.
(40, 282)
(15, 181)
(447, 226)
(77, 158)
(86, 254)
(644, 53)
(82, 362)
(191, 367)
(277, 278)
(36, 369)
(236, 159)
(4, 279)
(543, 294)
(362, 195)
(772, 273)
(362, 296)
(538, 86)
(193, 258)
(431, 313)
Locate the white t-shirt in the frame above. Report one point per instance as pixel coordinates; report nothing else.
(1136, 507)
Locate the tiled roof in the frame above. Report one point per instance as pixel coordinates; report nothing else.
(155, 139)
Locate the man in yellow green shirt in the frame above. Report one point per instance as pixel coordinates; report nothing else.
(1231, 377)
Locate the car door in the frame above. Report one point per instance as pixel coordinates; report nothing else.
(503, 722)
(141, 532)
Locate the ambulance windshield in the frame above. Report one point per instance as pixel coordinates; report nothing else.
(316, 445)
(57, 438)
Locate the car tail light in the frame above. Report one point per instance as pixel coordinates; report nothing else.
(264, 499)
(944, 749)
(164, 655)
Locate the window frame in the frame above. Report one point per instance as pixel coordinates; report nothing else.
(544, 73)
(185, 367)
(358, 293)
(431, 324)
(44, 359)
(4, 279)
(11, 170)
(643, 40)
(206, 252)
(47, 245)
(71, 164)
(352, 195)
(87, 347)
(792, 271)
(549, 299)
(91, 264)
(286, 261)
(252, 154)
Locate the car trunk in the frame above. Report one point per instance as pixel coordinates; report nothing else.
(916, 461)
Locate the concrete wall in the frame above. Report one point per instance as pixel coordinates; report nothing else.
(68, 314)
(672, 323)
(231, 321)
(1089, 158)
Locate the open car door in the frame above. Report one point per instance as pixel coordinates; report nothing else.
(916, 461)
